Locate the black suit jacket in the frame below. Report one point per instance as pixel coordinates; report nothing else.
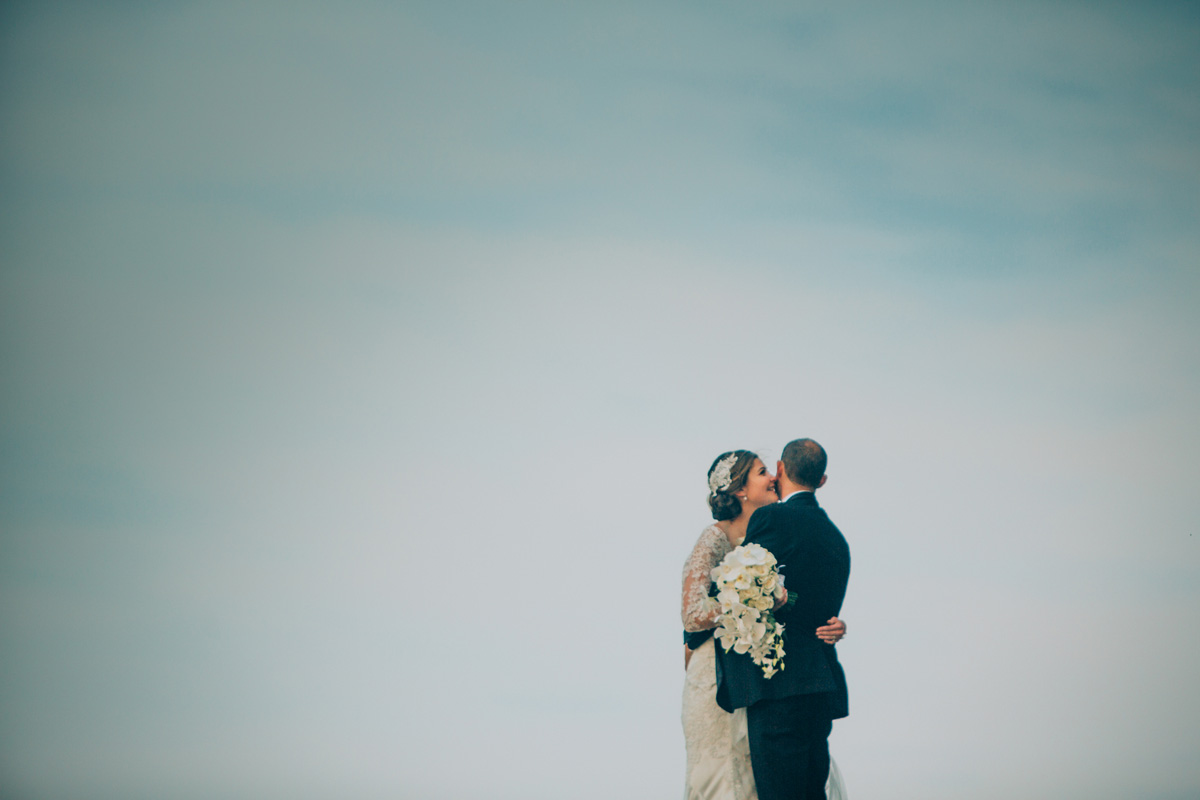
(815, 562)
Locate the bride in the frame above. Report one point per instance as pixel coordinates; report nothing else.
(718, 751)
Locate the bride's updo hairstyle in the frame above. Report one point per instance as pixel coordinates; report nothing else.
(728, 475)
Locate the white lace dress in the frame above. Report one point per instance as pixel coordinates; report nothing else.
(718, 750)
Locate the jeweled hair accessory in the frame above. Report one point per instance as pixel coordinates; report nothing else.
(720, 479)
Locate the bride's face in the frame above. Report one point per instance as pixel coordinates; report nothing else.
(760, 486)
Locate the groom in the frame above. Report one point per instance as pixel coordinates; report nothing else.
(789, 716)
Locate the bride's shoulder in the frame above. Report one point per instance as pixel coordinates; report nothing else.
(713, 537)
(710, 548)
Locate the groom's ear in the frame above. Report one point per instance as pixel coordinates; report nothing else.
(780, 472)
(823, 479)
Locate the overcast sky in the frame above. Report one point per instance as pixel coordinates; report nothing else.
(360, 367)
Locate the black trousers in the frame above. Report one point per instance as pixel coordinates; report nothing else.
(789, 746)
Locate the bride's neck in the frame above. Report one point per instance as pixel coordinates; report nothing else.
(737, 527)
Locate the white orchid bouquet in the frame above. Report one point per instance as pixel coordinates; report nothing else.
(748, 585)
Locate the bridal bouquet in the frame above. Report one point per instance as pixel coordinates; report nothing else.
(748, 584)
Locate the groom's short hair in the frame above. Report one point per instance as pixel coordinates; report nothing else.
(804, 461)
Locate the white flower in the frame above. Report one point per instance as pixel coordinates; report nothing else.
(761, 603)
(728, 598)
(751, 555)
(747, 584)
(727, 572)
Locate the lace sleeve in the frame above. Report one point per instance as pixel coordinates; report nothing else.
(699, 610)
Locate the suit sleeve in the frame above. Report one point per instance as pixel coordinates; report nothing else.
(765, 529)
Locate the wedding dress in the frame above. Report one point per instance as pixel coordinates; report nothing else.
(718, 749)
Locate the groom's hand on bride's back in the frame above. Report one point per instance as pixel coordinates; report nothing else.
(832, 632)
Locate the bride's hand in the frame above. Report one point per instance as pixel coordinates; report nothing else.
(832, 632)
(781, 601)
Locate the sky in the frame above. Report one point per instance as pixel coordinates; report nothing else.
(360, 368)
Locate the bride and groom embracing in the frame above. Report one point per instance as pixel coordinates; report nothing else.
(749, 736)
